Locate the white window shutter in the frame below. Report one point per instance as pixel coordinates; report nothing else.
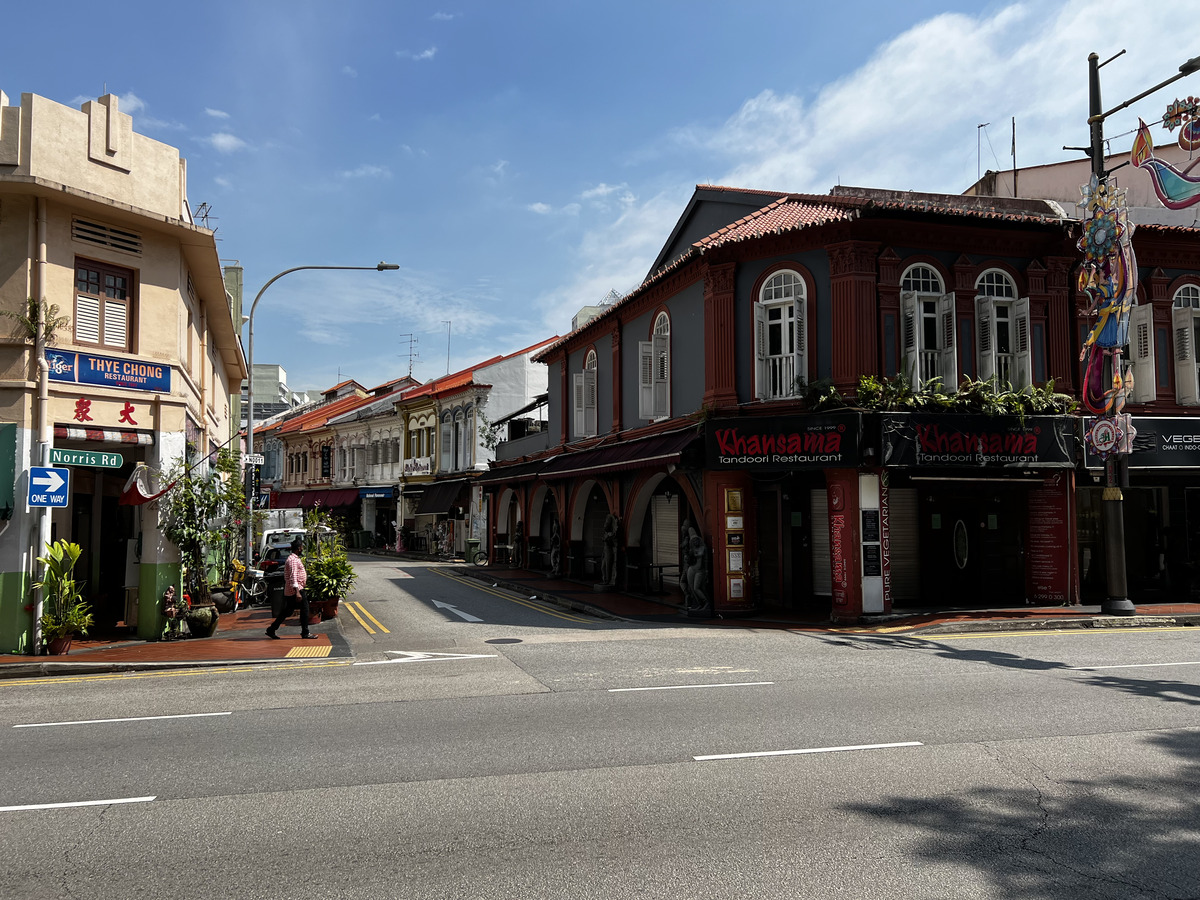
(909, 338)
(87, 320)
(116, 333)
(1187, 390)
(662, 375)
(589, 402)
(800, 352)
(1024, 344)
(645, 380)
(577, 403)
(948, 353)
(1141, 353)
(447, 439)
(761, 378)
(985, 343)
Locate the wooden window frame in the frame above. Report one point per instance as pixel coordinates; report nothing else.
(130, 302)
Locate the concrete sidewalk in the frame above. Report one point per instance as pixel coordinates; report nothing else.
(241, 638)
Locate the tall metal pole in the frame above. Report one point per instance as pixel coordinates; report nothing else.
(381, 267)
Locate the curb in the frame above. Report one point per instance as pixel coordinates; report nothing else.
(1097, 623)
(48, 669)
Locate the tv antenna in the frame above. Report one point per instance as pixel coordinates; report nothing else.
(413, 354)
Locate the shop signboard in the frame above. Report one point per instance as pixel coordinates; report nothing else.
(978, 441)
(379, 493)
(1160, 442)
(783, 443)
(107, 371)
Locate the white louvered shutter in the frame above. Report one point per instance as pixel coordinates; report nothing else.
(761, 374)
(985, 337)
(662, 375)
(116, 330)
(87, 320)
(447, 444)
(948, 353)
(645, 379)
(1023, 350)
(800, 352)
(909, 343)
(1187, 390)
(1141, 353)
(577, 403)
(589, 401)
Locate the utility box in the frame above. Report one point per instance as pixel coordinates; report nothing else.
(8, 468)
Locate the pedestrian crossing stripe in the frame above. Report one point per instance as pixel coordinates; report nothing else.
(297, 652)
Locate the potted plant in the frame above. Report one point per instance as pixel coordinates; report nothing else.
(330, 575)
(64, 611)
(202, 621)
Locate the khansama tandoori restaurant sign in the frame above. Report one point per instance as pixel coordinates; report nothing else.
(978, 441)
(106, 371)
(780, 443)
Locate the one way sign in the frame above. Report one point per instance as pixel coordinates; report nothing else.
(49, 487)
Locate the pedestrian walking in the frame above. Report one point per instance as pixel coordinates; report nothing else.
(294, 579)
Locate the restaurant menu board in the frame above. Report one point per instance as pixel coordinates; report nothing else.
(1048, 559)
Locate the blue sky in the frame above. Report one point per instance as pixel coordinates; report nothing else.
(521, 159)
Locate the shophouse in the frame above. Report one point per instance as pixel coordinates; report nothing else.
(683, 448)
(145, 369)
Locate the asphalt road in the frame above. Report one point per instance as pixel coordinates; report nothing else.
(495, 747)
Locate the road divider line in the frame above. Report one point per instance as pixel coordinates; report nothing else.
(361, 621)
(808, 750)
(683, 687)
(78, 803)
(129, 719)
(1133, 666)
(378, 624)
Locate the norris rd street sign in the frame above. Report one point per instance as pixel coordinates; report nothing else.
(86, 458)
(49, 487)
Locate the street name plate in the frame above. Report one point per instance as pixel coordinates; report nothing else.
(255, 459)
(100, 459)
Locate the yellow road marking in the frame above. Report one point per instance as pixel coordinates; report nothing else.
(1101, 631)
(473, 583)
(297, 652)
(378, 624)
(354, 612)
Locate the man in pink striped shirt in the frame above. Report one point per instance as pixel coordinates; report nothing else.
(294, 580)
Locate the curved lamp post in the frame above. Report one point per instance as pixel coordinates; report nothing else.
(381, 267)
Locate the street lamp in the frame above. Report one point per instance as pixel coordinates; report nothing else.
(1116, 466)
(381, 267)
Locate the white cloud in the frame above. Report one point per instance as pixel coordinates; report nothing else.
(541, 209)
(216, 113)
(367, 170)
(443, 17)
(600, 190)
(413, 55)
(130, 103)
(498, 167)
(223, 182)
(224, 142)
(350, 71)
(375, 117)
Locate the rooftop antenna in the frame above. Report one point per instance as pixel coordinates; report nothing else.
(979, 149)
(412, 352)
(448, 325)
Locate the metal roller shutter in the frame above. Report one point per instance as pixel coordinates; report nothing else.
(905, 544)
(822, 577)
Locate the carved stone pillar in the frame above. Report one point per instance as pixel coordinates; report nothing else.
(854, 285)
(720, 337)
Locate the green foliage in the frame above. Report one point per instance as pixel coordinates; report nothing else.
(44, 315)
(972, 397)
(64, 611)
(203, 510)
(489, 434)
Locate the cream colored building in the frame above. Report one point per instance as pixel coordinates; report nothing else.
(94, 219)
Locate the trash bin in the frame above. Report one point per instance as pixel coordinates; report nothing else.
(472, 549)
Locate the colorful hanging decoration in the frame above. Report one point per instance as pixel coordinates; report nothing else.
(1174, 187)
(1108, 278)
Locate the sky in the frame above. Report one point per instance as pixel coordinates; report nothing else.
(520, 160)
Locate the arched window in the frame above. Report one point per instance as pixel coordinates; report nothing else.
(1185, 324)
(585, 397)
(1002, 330)
(654, 371)
(928, 334)
(780, 313)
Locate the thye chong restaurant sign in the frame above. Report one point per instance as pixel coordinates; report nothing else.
(780, 443)
(978, 441)
(105, 371)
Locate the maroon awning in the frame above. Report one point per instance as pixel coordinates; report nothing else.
(659, 450)
(329, 499)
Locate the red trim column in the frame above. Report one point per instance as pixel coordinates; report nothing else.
(720, 336)
(853, 283)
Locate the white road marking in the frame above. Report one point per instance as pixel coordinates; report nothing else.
(809, 750)
(683, 687)
(458, 612)
(1133, 666)
(415, 656)
(131, 719)
(77, 803)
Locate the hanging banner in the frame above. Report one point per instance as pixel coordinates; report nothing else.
(990, 442)
(1160, 442)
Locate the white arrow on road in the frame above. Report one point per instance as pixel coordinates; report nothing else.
(51, 481)
(404, 656)
(458, 612)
